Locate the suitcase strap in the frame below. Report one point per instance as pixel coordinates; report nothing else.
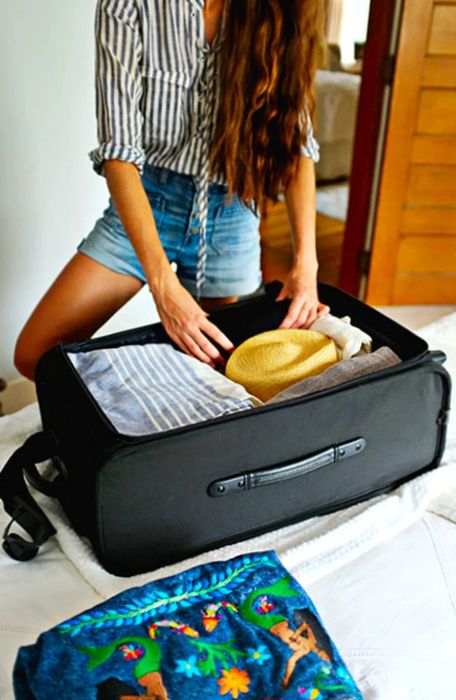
(18, 501)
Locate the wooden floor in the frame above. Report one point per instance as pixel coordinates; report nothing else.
(277, 246)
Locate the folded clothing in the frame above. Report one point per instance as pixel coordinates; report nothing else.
(146, 389)
(240, 628)
(349, 339)
(341, 372)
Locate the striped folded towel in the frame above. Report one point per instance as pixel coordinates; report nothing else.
(146, 389)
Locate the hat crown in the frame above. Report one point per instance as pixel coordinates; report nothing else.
(270, 362)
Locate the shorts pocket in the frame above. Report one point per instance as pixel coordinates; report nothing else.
(235, 230)
(157, 202)
(112, 219)
(158, 205)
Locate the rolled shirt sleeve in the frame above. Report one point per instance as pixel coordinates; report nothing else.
(118, 84)
(311, 148)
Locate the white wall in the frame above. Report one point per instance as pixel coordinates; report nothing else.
(49, 195)
(355, 18)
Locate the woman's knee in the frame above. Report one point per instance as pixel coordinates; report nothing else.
(28, 350)
(26, 356)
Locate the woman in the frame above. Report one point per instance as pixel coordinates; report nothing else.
(202, 108)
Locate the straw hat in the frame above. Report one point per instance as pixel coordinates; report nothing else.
(270, 362)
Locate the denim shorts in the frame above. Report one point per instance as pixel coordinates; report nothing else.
(233, 240)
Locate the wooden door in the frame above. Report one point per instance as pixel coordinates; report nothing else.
(378, 64)
(413, 257)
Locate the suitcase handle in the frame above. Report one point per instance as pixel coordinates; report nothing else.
(291, 470)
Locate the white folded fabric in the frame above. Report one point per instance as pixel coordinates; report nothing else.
(311, 549)
(349, 339)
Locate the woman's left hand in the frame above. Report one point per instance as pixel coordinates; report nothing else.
(301, 287)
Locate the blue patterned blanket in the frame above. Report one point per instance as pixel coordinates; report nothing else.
(243, 628)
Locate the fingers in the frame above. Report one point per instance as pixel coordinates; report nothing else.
(283, 294)
(293, 313)
(216, 334)
(185, 340)
(187, 324)
(307, 316)
(206, 346)
(191, 347)
(302, 314)
(323, 309)
(200, 346)
(194, 342)
(190, 328)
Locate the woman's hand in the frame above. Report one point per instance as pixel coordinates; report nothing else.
(301, 287)
(187, 324)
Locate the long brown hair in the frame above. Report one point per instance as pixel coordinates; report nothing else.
(266, 94)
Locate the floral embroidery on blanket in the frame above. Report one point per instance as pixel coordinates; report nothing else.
(237, 629)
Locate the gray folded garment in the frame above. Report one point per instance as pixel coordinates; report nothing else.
(340, 372)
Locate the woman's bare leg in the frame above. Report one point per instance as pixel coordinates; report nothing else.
(83, 297)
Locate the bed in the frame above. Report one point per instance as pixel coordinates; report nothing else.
(382, 573)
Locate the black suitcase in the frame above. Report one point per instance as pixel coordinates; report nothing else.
(151, 500)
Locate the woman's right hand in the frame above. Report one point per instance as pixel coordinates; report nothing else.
(187, 324)
(184, 320)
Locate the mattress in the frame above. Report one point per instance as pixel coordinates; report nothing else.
(382, 573)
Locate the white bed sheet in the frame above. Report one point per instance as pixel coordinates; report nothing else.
(382, 574)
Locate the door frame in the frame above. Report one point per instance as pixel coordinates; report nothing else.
(377, 77)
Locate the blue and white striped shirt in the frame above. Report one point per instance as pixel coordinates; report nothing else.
(152, 59)
(157, 90)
